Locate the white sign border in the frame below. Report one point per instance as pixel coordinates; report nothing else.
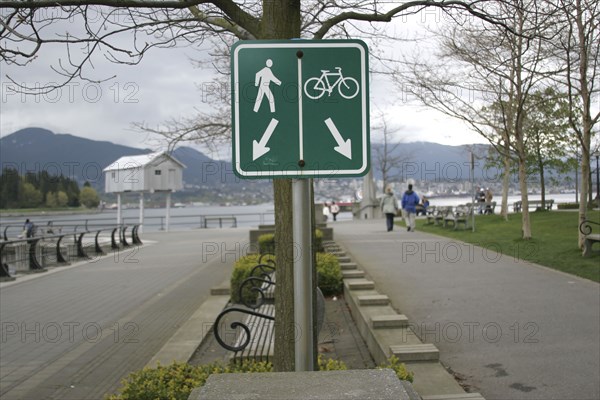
(299, 173)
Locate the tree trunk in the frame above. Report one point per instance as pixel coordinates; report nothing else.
(284, 289)
(526, 222)
(542, 184)
(281, 20)
(505, 182)
(585, 185)
(586, 134)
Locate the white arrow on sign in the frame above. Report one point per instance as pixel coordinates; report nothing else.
(343, 147)
(260, 148)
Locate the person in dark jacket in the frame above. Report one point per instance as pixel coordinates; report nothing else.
(28, 228)
(409, 208)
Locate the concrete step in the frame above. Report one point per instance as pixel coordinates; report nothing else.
(353, 274)
(416, 352)
(358, 384)
(220, 291)
(435, 380)
(460, 396)
(347, 265)
(361, 284)
(344, 259)
(337, 252)
(389, 321)
(373, 300)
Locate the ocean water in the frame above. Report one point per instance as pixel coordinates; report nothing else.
(194, 217)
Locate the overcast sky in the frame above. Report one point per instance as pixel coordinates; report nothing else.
(166, 85)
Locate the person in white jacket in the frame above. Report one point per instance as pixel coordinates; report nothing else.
(389, 206)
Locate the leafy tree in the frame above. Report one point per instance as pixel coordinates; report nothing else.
(56, 199)
(576, 46)
(546, 128)
(485, 76)
(9, 188)
(30, 197)
(88, 197)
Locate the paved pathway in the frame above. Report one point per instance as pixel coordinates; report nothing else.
(510, 329)
(76, 333)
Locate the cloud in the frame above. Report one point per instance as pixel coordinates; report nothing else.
(164, 85)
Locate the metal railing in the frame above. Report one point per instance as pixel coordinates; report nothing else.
(150, 223)
(30, 246)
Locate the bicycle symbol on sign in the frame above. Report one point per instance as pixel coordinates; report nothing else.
(315, 87)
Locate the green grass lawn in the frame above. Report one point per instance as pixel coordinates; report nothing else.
(554, 242)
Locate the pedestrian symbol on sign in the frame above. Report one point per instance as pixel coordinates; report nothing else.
(263, 80)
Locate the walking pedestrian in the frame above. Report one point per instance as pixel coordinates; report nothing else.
(28, 228)
(335, 209)
(409, 208)
(389, 206)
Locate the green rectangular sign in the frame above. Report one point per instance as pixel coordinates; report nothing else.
(300, 108)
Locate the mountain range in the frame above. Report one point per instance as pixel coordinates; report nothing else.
(36, 149)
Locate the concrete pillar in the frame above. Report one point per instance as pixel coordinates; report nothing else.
(168, 216)
(141, 212)
(119, 219)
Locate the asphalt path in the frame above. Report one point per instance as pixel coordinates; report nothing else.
(507, 328)
(75, 332)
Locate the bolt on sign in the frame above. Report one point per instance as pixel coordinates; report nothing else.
(300, 108)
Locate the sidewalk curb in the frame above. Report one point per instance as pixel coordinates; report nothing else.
(182, 345)
(432, 380)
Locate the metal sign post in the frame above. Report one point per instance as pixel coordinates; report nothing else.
(300, 109)
(303, 307)
(472, 173)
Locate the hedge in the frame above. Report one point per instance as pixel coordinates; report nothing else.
(176, 381)
(329, 276)
(266, 242)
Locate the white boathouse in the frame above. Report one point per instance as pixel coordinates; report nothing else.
(147, 173)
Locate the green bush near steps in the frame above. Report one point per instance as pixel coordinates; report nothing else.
(176, 381)
(329, 276)
(241, 271)
(266, 242)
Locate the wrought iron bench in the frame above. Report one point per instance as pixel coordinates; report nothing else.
(254, 334)
(255, 338)
(589, 238)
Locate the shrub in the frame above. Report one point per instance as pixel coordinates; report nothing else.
(318, 243)
(573, 206)
(329, 274)
(266, 243)
(399, 368)
(330, 364)
(241, 271)
(176, 381)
